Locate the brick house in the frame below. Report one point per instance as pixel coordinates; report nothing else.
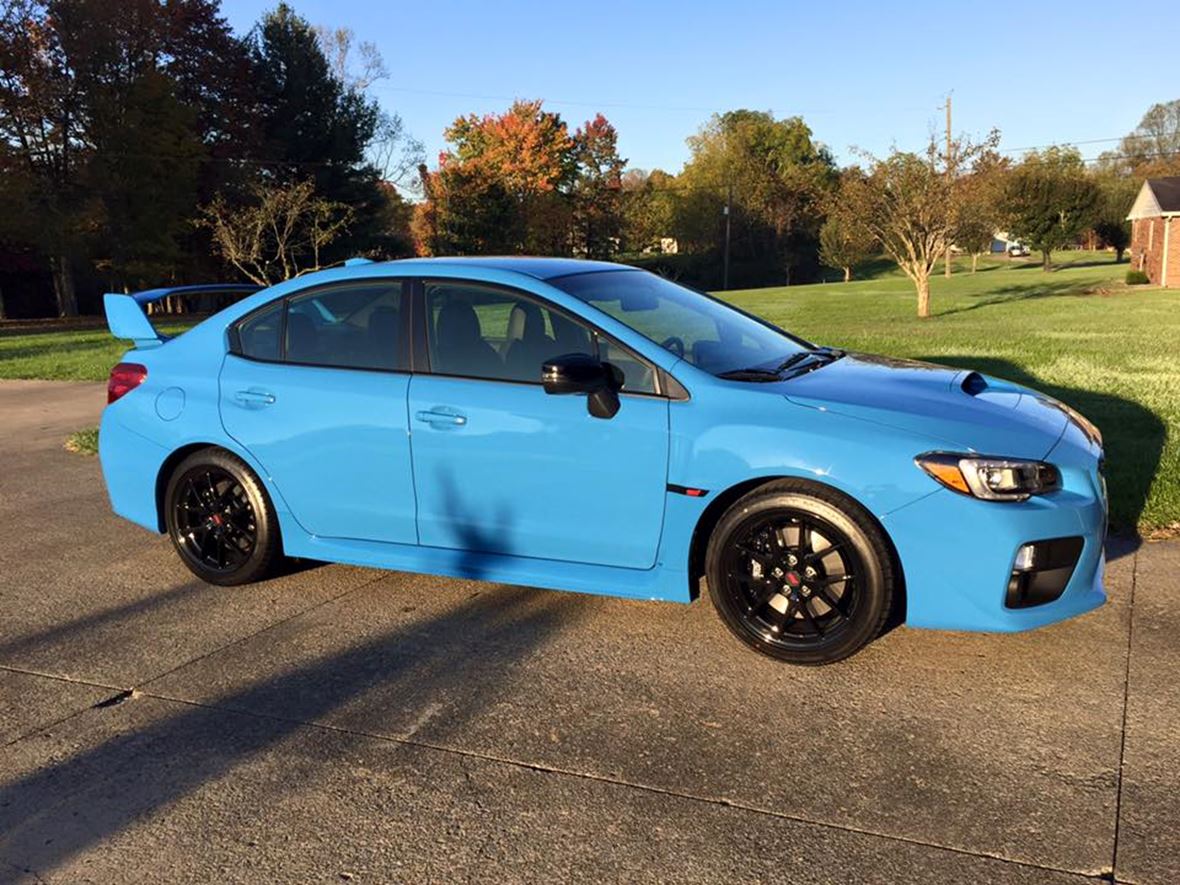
(1155, 231)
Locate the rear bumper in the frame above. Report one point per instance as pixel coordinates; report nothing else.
(130, 465)
(957, 555)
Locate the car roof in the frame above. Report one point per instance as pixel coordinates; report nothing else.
(530, 265)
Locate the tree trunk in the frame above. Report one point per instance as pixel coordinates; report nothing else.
(847, 274)
(63, 287)
(3, 312)
(1118, 254)
(923, 284)
(946, 263)
(1046, 263)
(974, 261)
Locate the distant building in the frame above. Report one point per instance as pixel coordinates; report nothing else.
(1155, 231)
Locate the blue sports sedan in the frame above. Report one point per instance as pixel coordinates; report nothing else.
(586, 426)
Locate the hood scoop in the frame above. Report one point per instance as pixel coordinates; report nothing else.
(974, 384)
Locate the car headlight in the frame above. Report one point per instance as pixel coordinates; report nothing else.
(990, 479)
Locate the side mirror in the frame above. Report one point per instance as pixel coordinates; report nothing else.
(582, 373)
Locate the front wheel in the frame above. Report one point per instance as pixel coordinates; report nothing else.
(220, 519)
(800, 573)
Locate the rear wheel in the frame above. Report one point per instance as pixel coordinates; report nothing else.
(220, 519)
(800, 572)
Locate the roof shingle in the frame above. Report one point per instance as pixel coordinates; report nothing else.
(1167, 192)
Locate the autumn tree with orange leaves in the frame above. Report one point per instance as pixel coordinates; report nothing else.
(520, 182)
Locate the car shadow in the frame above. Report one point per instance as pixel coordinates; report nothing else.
(148, 762)
(1133, 439)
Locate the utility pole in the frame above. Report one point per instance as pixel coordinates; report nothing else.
(946, 261)
(728, 213)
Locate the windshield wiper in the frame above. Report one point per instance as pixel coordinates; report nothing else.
(793, 359)
(751, 374)
(819, 357)
(809, 360)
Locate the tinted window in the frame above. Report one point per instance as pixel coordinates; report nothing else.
(703, 330)
(258, 335)
(481, 332)
(351, 327)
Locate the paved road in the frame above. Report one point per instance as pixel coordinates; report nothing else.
(338, 723)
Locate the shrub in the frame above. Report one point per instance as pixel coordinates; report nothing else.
(1136, 278)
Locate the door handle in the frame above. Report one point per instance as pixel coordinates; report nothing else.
(254, 398)
(444, 417)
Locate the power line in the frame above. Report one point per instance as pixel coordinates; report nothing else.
(1037, 147)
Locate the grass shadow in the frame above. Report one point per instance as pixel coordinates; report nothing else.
(1133, 435)
(1023, 292)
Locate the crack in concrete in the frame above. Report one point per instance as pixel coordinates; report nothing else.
(140, 690)
(1118, 802)
(541, 768)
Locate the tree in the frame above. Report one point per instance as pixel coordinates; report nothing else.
(1152, 149)
(1116, 194)
(907, 202)
(109, 108)
(314, 124)
(843, 245)
(394, 153)
(778, 175)
(281, 234)
(41, 115)
(466, 212)
(520, 182)
(844, 241)
(1049, 201)
(648, 209)
(597, 189)
(978, 205)
(143, 179)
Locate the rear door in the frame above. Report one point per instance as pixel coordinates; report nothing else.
(315, 388)
(502, 467)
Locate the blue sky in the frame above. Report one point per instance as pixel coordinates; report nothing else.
(860, 74)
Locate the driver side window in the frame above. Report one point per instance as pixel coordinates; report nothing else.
(479, 331)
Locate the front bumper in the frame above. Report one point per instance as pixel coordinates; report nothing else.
(957, 553)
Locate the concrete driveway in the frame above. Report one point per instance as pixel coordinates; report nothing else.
(343, 724)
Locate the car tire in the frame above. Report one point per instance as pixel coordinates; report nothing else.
(220, 519)
(800, 572)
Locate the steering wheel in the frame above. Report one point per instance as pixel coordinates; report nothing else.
(673, 343)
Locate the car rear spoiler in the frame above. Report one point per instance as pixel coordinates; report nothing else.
(126, 317)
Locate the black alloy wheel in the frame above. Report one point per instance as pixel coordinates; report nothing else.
(220, 519)
(800, 573)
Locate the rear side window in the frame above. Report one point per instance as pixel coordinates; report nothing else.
(258, 334)
(348, 327)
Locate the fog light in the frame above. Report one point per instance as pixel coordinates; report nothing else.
(1026, 557)
(1041, 571)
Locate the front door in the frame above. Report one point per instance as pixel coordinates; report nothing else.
(314, 390)
(502, 467)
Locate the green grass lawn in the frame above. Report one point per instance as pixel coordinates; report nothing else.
(85, 353)
(1110, 351)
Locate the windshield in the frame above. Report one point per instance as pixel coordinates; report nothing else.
(708, 333)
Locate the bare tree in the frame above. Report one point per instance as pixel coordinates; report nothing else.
(909, 205)
(358, 65)
(395, 153)
(279, 235)
(356, 70)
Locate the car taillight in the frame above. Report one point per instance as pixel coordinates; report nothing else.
(125, 377)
